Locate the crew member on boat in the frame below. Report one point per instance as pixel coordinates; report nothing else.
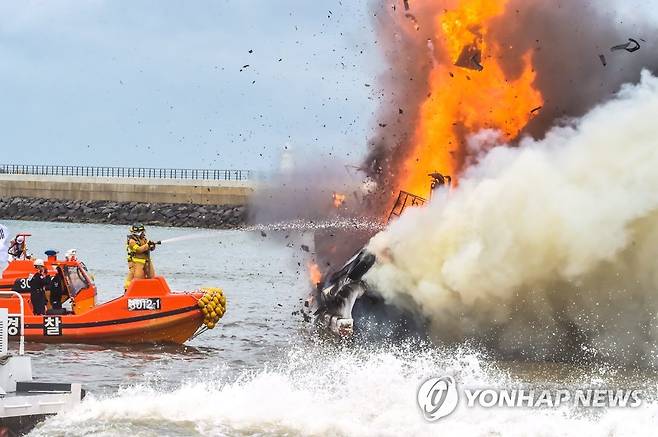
(17, 248)
(139, 250)
(38, 282)
(56, 287)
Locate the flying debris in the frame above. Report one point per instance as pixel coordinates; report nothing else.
(631, 46)
(476, 63)
(603, 61)
(430, 48)
(412, 17)
(535, 110)
(470, 58)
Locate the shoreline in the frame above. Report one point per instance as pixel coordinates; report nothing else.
(124, 213)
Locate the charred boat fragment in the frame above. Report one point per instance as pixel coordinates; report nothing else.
(333, 299)
(342, 295)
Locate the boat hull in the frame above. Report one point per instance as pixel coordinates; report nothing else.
(175, 327)
(147, 313)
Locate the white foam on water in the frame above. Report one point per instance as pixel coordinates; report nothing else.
(323, 391)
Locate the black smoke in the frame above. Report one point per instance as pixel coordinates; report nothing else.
(566, 39)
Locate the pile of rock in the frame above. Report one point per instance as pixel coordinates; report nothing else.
(162, 214)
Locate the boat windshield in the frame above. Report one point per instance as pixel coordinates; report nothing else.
(77, 280)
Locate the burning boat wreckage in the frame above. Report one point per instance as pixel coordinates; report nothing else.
(459, 75)
(343, 295)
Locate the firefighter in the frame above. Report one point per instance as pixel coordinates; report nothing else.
(139, 250)
(38, 283)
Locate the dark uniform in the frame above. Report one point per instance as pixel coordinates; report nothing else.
(38, 284)
(56, 287)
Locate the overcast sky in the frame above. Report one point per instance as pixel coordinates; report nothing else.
(165, 83)
(161, 83)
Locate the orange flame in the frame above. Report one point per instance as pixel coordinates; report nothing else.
(338, 199)
(465, 100)
(315, 275)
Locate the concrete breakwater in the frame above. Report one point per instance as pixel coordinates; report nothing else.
(126, 190)
(123, 213)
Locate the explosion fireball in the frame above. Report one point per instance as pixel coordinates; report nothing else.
(468, 89)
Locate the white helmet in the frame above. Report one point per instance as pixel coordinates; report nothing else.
(38, 263)
(20, 239)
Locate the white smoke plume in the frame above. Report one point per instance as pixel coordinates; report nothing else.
(548, 250)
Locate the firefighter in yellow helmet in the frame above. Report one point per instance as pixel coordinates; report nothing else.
(139, 249)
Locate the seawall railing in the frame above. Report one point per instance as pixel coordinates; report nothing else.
(128, 172)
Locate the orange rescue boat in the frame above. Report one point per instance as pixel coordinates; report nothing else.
(148, 312)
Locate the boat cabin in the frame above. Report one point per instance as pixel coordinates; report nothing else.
(78, 287)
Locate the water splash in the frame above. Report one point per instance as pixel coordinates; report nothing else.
(344, 224)
(330, 390)
(360, 224)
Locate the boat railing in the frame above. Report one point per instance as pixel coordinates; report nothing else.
(21, 315)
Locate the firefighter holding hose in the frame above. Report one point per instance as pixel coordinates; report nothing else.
(139, 250)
